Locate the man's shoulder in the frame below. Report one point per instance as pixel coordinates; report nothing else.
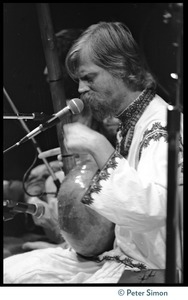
(156, 111)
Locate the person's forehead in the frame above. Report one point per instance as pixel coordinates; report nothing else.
(86, 66)
(88, 69)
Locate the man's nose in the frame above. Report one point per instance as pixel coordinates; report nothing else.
(83, 87)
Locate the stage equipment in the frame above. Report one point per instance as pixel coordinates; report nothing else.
(34, 142)
(75, 106)
(175, 17)
(21, 116)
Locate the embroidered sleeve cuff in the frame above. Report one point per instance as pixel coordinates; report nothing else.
(95, 185)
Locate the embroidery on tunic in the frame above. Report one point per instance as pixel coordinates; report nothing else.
(129, 118)
(128, 262)
(155, 133)
(95, 185)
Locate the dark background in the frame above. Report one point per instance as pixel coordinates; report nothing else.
(24, 62)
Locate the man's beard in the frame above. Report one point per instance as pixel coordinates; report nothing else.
(99, 107)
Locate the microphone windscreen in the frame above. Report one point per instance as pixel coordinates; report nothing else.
(76, 105)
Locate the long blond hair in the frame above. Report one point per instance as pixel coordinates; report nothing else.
(111, 46)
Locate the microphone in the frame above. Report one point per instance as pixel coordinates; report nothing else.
(10, 209)
(75, 106)
(36, 210)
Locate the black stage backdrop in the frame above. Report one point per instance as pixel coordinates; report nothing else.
(24, 62)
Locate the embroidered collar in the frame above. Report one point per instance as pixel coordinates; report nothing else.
(130, 116)
(136, 106)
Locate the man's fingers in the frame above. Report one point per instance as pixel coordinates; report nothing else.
(51, 152)
(37, 245)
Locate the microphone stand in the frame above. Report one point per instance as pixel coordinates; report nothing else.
(51, 172)
(173, 126)
(33, 116)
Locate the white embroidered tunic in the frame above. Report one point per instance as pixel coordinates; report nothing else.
(131, 191)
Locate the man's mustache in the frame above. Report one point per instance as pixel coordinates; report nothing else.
(85, 97)
(88, 100)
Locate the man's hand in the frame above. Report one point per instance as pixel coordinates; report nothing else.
(79, 138)
(42, 245)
